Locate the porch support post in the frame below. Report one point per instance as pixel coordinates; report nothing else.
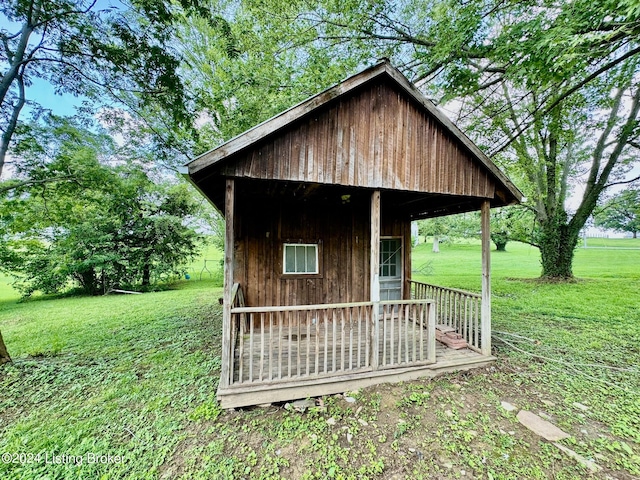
(485, 312)
(228, 281)
(375, 276)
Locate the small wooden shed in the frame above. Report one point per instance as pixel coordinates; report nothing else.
(318, 202)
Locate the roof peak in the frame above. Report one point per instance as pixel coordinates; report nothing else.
(295, 113)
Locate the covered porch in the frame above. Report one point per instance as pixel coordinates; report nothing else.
(274, 353)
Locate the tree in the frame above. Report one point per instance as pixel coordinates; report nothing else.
(512, 224)
(621, 213)
(118, 54)
(129, 236)
(106, 226)
(252, 69)
(436, 227)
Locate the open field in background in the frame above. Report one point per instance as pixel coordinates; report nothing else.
(610, 242)
(135, 376)
(213, 256)
(6, 291)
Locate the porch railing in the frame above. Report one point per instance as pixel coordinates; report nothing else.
(310, 341)
(455, 308)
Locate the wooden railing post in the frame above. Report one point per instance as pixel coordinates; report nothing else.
(485, 315)
(226, 374)
(431, 328)
(375, 277)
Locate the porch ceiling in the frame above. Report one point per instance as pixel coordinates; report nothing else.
(403, 204)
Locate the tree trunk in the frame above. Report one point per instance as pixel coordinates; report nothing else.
(89, 281)
(635, 234)
(557, 246)
(146, 275)
(501, 246)
(4, 355)
(436, 244)
(15, 73)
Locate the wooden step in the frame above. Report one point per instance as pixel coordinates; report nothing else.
(451, 339)
(444, 328)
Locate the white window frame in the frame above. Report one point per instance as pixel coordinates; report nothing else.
(284, 258)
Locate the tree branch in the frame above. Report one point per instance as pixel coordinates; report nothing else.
(622, 182)
(10, 76)
(60, 15)
(589, 78)
(596, 184)
(13, 121)
(28, 183)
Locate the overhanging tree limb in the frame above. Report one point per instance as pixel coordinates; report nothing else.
(30, 183)
(9, 130)
(598, 180)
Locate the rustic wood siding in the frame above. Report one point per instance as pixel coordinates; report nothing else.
(342, 232)
(376, 137)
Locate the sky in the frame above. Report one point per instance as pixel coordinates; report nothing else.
(44, 94)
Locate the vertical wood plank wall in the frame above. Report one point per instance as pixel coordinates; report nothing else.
(375, 138)
(341, 230)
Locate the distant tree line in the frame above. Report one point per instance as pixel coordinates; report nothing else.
(507, 224)
(621, 212)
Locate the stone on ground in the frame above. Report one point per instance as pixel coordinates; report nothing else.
(508, 407)
(541, 427)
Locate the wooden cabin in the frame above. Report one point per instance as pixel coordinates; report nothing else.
(318, 202)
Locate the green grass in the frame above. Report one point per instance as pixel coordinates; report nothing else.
(7, 293)
(135, 376)
(110, 375)
(611, 242)
(213, 256)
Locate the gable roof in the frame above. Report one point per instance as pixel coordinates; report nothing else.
(252, 140)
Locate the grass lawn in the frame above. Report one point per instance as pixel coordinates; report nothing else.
(127, 385)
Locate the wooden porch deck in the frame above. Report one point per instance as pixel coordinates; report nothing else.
(447, 361)
(286, 352)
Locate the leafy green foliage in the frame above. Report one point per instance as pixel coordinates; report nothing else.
(513, 224)
(74, 219)
(240, 75)
(108, 54)
(622, 212)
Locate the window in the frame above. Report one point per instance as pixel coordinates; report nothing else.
(300, 258)
(390, 257)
